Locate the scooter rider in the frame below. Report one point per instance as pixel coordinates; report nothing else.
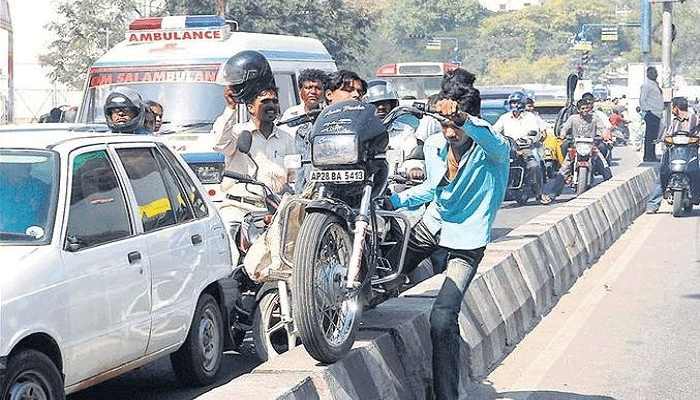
(517, 124)
(682, 121)
(125, 111)
(253, 84)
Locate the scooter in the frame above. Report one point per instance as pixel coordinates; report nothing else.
(679, 172)
(262, 306)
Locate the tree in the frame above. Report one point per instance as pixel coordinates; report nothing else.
(82, 35)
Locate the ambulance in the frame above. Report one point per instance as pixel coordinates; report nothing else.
(175, 60)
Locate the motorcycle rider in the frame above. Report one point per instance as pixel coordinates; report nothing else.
(253, 84)
(382, 95)
(343, 85)
(517, 124)
(467, 172)
(682, 121)
(583, 124)
(125, 111)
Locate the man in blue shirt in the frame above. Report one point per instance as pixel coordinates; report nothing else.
(467, 172)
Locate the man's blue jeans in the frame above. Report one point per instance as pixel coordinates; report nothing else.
(459, 268)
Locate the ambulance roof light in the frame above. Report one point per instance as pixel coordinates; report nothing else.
(177, 22)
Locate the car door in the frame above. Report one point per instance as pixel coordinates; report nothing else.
(176, 241)
(107, 270)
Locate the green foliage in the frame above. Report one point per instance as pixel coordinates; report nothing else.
(81, 36)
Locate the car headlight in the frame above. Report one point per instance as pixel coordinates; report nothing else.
(334, 150)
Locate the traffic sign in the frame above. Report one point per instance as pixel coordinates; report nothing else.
(434, 44)
(583, 45)
(608, 34)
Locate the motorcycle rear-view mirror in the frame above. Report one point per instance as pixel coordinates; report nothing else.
(416, 154)
(245, 139)
(532, 133)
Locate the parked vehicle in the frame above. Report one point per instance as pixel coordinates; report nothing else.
(113, 256)
(679, 172)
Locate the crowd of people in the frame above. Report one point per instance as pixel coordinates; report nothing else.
(465, 167)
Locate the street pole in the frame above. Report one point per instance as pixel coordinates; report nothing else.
(667, 32)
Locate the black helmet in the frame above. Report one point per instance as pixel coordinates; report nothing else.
(519, 98)
(248, 73)
(378, 90)
(123, 97)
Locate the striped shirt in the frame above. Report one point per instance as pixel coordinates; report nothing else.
(687, 123)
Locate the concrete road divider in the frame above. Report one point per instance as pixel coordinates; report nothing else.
(519, 280)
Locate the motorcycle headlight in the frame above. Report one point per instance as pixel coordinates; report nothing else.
(334, 150)
(584, 149)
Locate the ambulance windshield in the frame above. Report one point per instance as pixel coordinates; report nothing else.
(185, 104)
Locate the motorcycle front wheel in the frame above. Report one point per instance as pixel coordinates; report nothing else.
(582, 182)
(326, 312)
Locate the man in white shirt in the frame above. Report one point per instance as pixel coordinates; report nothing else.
(311, 83)
(652, 104)
(517, 124)
(269, 145)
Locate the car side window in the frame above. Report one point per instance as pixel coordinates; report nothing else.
(178, 198)
(155, 205)
(97, 213)
(196, 199)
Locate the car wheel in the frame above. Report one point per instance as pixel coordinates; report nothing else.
(198, 361)
(32, 375)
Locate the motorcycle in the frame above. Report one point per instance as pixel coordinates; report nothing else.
(350, 252)
(262, 301)
(679, 172)
(521, 184)
(586, 156)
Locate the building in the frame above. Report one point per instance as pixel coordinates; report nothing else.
(509, 5)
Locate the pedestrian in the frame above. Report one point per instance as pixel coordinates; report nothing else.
(310, 83)
(682, 120)
(652, 104)
(467, 172)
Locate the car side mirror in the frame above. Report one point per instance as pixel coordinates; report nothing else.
(245, 138)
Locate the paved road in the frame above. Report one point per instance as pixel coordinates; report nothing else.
(628, 329)
(157, 381)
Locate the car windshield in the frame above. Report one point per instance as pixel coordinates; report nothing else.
(182, 103)
(415, 87)
(28, 188)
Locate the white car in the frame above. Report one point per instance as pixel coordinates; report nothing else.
(112, 256)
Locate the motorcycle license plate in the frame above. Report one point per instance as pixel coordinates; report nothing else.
(338, 176)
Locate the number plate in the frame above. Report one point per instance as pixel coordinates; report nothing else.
(338, 176)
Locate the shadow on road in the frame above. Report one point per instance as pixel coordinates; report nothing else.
(487, 392)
